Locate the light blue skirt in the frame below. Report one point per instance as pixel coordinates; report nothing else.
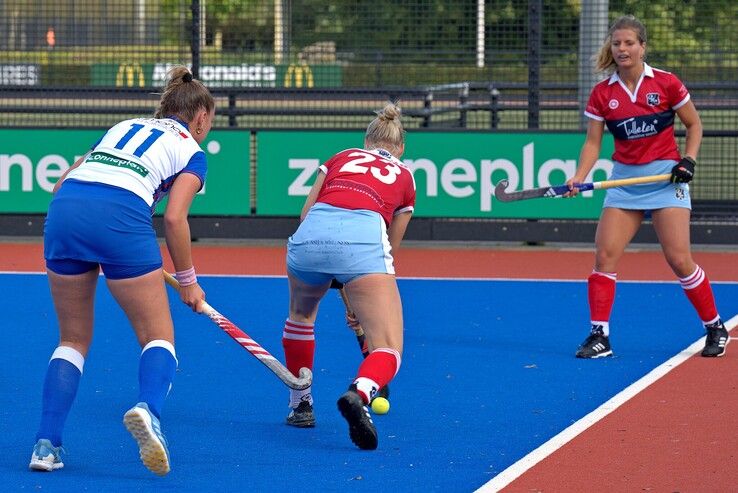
(648, 196)
(332, 242)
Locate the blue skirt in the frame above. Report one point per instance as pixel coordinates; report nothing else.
(648, 196)
(344, 244)
(100, 224)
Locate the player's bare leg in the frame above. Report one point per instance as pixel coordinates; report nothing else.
(376, 301)
(152, 322)
(298, 341)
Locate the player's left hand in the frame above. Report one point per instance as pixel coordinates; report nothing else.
(351, 320)
(573, 190)
(683, 171)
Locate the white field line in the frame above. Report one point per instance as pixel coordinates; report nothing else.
(516, 470)
(428, 278)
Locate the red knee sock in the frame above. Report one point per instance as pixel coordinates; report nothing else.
(298, 341)
(601, 291)
(697, 288)
(376, 371)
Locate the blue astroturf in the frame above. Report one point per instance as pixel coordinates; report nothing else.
(488, 374)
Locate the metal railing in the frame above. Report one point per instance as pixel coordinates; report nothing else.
(446, 106)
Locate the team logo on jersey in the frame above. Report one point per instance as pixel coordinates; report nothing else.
(652, 98)
(613, 104)
(680, 193)
(110, 160)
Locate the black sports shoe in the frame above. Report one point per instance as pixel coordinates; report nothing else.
(355, 412)
(596, 345)
(302, 416)
(716, 341)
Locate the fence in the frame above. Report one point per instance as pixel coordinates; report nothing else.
(492, 65)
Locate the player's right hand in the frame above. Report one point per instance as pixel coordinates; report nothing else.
(351, 320)
(683, 171)
(192, 296)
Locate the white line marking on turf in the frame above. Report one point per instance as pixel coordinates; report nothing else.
(544, 279)
(22, 272)
(516, 470)
(424, 278)
(459, 279)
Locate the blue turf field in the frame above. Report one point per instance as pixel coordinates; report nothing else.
(488, 375)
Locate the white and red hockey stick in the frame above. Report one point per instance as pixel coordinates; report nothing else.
(306, 376)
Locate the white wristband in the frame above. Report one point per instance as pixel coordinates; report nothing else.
(186, 277)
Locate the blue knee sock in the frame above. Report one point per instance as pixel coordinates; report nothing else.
(155, 373)
(60, 388)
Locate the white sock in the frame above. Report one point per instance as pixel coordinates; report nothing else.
(366, 388)
(605, 327)
(297, 396)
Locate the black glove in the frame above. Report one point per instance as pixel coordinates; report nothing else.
(683, 171)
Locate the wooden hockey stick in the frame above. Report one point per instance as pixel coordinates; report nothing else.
(556, 191)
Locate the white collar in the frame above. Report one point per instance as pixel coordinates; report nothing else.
(647, 72)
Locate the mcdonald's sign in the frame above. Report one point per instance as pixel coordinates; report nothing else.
(302, 75)
(128, 73)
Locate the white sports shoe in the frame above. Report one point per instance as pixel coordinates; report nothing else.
(146, 430)
(45, 456)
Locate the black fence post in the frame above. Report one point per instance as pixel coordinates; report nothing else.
(195, 46)
(463, 100)
(427, 103)
(232, 121)
(494, 106)
(534, 62)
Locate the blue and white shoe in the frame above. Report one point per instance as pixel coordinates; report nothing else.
(45, 456)
(152, 445)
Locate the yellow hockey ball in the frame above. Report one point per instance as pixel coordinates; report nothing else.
(380, 405)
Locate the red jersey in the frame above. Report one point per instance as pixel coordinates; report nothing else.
(643, 122)
(368, 179)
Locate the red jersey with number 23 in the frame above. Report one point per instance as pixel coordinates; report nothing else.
(368, 179)
(641, 122)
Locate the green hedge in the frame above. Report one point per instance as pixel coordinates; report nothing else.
(65, 75)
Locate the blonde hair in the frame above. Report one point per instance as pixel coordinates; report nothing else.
(604, 61)
(386, 130)
(183, 96)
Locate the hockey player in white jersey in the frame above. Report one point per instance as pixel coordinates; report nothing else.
(100, 218)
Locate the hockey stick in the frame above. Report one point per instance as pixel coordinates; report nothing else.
(359, 331)
(534, 193)
(250, 345)
(357, 328)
